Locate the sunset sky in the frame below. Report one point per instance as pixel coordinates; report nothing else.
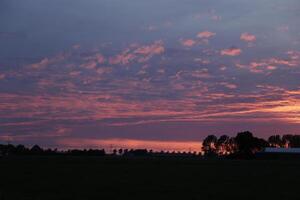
(160, 74)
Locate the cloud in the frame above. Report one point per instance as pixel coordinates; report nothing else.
(149, 51)
(139, 53)
(228, 85)
(206, 34)
(188, 42)
(124, 58)
(93, 60)
(49, 61)
(2, 76)
(155, 48)
(104, 70)
(89, 65)
(233, 51)
(268, 65)
(247, 37)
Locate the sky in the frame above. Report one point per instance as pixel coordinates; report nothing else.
(155, 74)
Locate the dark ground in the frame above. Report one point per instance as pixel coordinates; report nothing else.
(56, 178)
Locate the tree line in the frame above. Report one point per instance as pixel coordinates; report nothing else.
(20, 150)
(245, 144)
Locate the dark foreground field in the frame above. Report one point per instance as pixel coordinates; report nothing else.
(73, 178)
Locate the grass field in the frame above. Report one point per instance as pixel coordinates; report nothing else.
(56, 178)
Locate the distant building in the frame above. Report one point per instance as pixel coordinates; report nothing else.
(282, 150)
(279, 153)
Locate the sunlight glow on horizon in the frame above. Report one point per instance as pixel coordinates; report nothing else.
(109, 144)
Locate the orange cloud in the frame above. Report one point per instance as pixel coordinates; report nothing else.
(270, 64)
(231, 52)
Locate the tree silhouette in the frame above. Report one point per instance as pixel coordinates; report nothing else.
(275, 141)
(120, 151)
(292, 141)
(287, 140)
(222, 144)
(209, 145)
(247, 144)
(36, 150)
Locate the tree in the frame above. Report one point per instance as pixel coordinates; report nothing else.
(296, 141)
(247, 144)
(21, 150)
(209, 145)
(275, 141)
(260, 144)
(222, 144)
(287, 140)
(36, 150)
(231, 147)
(115, 151)
(120, 151)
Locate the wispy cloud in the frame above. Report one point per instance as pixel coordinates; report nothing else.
(233, 51)
(188, 42)
(247, 37)
(205, 34)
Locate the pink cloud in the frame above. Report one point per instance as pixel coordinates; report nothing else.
(75, 73)
(206, 34)
(141, 54)
(124, 58)
(100, 58)
(270, 67)
(156, 48)
(247, 37)
(228, 85)
(223, 68)
(48, 61)
(97, 58)
(270, 64)
(294, 55)
(231, 52)
(102, 70)
(89, 65)
(2, 76)
(188, 42)
(44, 62)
